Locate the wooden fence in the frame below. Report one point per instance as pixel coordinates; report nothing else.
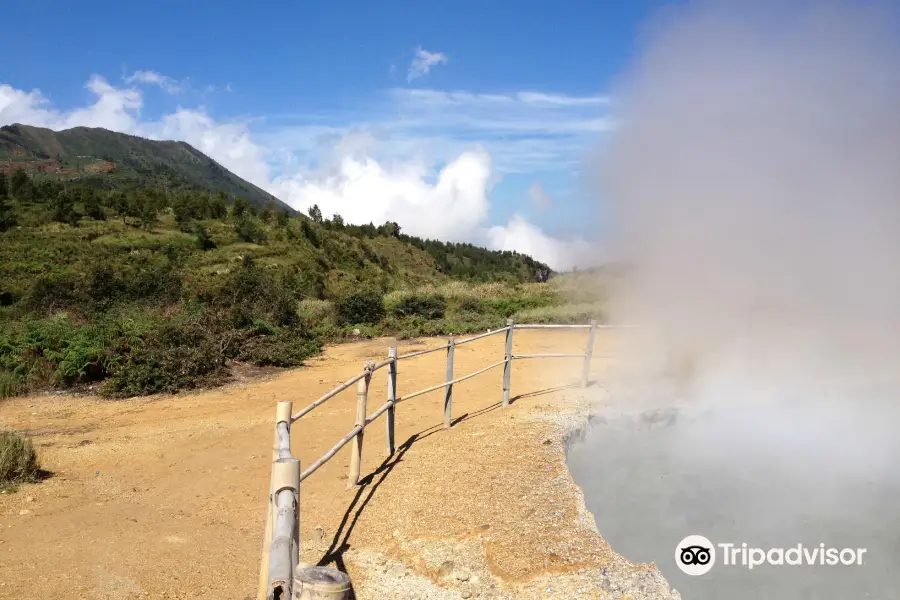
(281, 544)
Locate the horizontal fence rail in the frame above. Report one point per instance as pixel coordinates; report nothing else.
(281, 543)
(438, 386)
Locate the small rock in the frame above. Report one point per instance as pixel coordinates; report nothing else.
(132, 519)
(320, 533)
(462, 575)
(24, 512)
(466, 594)
(446, 568)
(29, 498)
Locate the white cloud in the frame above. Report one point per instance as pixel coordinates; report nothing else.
(170, 85)
(363, 190)
(423, 61)
(525, 237)
(560, 100)
(369, 173)
(453, 207)
(524, 132)
(539, 196)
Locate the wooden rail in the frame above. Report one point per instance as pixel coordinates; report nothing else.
(281, 543)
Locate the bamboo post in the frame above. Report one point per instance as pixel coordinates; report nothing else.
(284, 552)
(362, 392)
(282, 415)
(589, 351)
(507, 367)
(448, 397)
(392, 398)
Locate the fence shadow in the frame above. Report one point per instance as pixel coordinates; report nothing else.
(368, 485)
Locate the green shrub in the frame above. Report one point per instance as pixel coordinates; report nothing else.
(18, 460)
(280, 348)
(576, 314)
(181, 354)
(248, 230)
(360, 306)
(313, 312)
(10, 384)
(409, 304)
(250, 294)
(53, 292)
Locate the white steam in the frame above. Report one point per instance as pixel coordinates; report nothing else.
(755, 186)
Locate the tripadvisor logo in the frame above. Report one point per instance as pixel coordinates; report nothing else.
(696, 555)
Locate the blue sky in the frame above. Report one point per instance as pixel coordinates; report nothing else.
(461, 120)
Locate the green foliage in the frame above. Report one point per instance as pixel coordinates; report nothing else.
(360, 306)
(568, 313)
(180, 354)
(148, 302)
(4, 186)
(406, 304)
(277, 347)
(91, 203)
(139, 162)
(247, 230)
(250, 294)
(64, 209)
(18, 459)
(18, 182)
(204, 241)
(240, 208)
(7, 217)
(315, 213)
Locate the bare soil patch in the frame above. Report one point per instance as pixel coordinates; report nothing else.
(164, 497)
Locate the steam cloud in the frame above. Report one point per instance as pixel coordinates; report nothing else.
(755, 187)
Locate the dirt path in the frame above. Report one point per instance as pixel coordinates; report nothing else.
(165, 497)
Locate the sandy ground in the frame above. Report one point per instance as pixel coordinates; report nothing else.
(164, 497)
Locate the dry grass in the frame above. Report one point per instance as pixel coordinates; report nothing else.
(18, 460)
(567, 313)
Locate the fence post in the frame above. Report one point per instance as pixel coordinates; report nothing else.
(589, 351)
(285, 551)
(362, 392)
(448, 397)
(282, 414)
(507, 367)
(392, 397)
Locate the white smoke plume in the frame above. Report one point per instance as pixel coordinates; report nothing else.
(754, 183)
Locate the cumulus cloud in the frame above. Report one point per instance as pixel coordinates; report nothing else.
(422, 63)
(525, 237)
(363, 190)
(170, 85)
(454, 206)
(446, 198)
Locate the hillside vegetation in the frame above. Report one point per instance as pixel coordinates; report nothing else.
(107, 159)
(145, 290)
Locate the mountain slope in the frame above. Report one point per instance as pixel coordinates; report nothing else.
(106, 159)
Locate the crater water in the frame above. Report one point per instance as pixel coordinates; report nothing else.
(652, 479)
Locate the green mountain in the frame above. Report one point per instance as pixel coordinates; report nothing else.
(106, 159)
(141, 288)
